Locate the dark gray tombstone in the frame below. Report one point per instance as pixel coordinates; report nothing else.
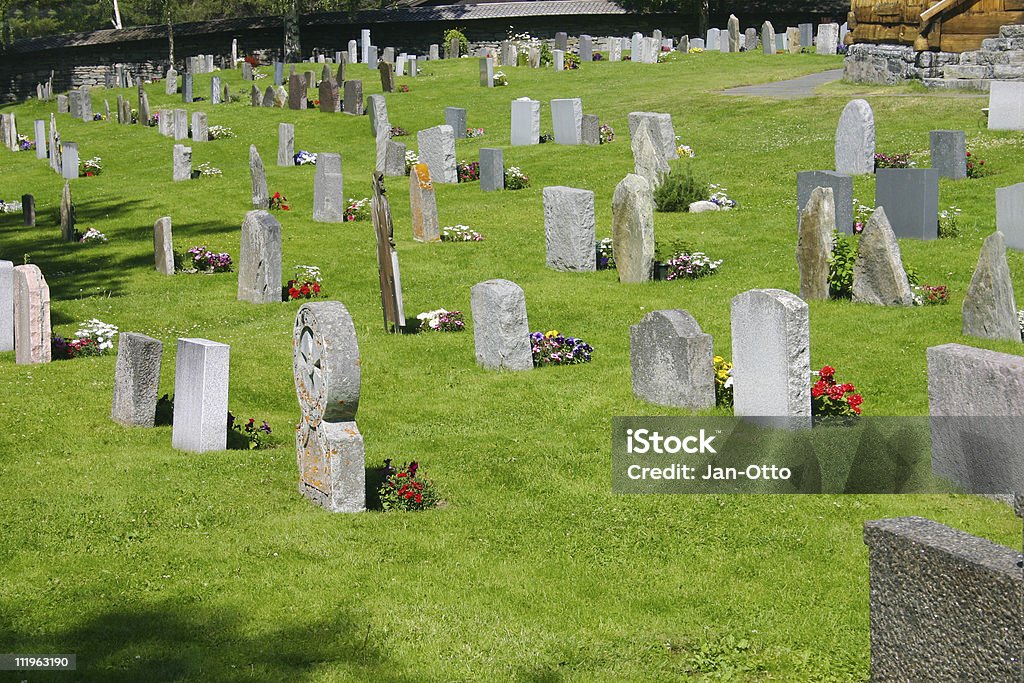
(456, 118)
(911, 200)
(561, 41)
(492, 169)
(842, 192)
(949, 153)
(353, 98)
(28, 210)
(186, 88)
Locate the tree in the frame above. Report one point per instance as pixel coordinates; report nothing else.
(701, 9)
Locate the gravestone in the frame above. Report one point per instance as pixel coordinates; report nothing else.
(723, 41)
(989, 309)
(377, 110)
(182, 163)
(255, 97)
(201, 131)
(456, 118)
(976, 431)
(40, 137)
(69, 160)
(186, 88)
(878, 274)
(328, 189)
(394, 158)
(32, 330)
(62, 104)
(451, 49)
(269, 99)
(165, 122)
(423, 205)
(501, 332)
(525, 122)
(353, 52)
(486, 72)
(86, 104)
(558, 60)
(413, 66)
(215, 90)
(400, 64)
(296, 92)
(828, 39)
(1005, 105)
(330, 96)
(590, 129)
(806, 35)
(648, 161)
(780, 43)
(662, 132)
(278, 73)
(614, 50)
(492, 169)
(750, 40)
(371, 57)
(855, 139)
(566, 120)
(569, 229)
(259, 261)
(684, 45)
(106, 111)
(1010, 214)
(434, 52)
(387, 76)
(144, 113)
(911, 200)
(258, 175)
(200, 396)
(285, 144)
(354, 98)
(712, 39)
(586, 49)
(734, 33)
(6, 306)
(136, 380)
(67, 215)
(793, 40)
(672, 361)
(339, 76)
(561, 41)
(842, 194)
(280, 97)
(28, 210)
(771, 357)
(768, 38)
(814, 244)
(437, 150)
(949, 153)
(329, 448)
(163, 246)
(389, 275)
(633, 229)
(389, 56)
(180, 125)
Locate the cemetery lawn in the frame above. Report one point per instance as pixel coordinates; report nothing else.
(160, 565)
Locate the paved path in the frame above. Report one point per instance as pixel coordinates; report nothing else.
(796, 88)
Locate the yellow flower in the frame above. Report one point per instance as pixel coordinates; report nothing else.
(551, 333)
(718, 359)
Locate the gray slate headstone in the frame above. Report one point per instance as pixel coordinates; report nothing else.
(1010, 214)
(525, 122)
(566, 119)
(186, 88)
(182, 159)
(353, 103)
(163, 246)
(1005, 105)
(486, 72)
(492, 169)
(648, 161)
(285, 144)
(215, 90)
(180, 124)
(672, 361)
(377, 112)
(855, 139)
(586, 48)
(878, 274)
(394, 159)
(949, 153)
(842, 193)
(768, 38)
(200, 396)
(561, 41)
(501, 332)
(328, 189)
(771, 354)
(750, 40)
(259, 261)
(200, 128)
(40, 133)
(911, 200)
(806, 35)
(989, 309)
(814, 244)
(590, 129)
(633, 229)
(437, 151)
(69, 160)
(456, 118)
(67, 214)
(570, 229)
(136, 379)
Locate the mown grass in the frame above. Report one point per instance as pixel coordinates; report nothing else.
(148, 562)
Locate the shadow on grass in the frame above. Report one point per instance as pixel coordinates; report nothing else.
(172, 641)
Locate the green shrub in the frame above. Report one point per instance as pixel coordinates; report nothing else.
(463, 41)
(840, 266)
(546, 58)
(680, 188)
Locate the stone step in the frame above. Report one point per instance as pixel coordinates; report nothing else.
(968, 71)
(979, 84)
(1016, 31)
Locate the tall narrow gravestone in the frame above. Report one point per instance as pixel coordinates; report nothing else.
(163, 246)
(215, 90)
(672, 361)
(486, 72)
(423, 205)
(569, 229)
(6, 306)
(69, 160)
(456, 118)
(258, 175)
(949, 153)
(814, 244)
(878, 274)
(1005, 105)
(437, 150)
(1010, 214)
(648, 161)
(989, 309)
(492, 169)
(285, 144)
(200, 396)
(501, 332)
(771, 353)
(296, 92)
(855, 139)
(136, 379)
(567, 119)
(525, 122)
(31, 316)
(377, 111)
(353, 98)
(259, 261)
(388, 271)
(768, 38)
(328, 189)
(200, 127)
(180, 124)
(327, 370)
(67, 214)
(40, 133)
(182, 163)
(633, 229)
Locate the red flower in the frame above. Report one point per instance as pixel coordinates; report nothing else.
(827, 372)
(419, 498)
(305, 290)
(818, 389)
(402, 474)
(293, 293)
(316, 287)
(277, 195)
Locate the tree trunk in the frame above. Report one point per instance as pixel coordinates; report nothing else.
(170, 35)
(117, 15)
(703, 18)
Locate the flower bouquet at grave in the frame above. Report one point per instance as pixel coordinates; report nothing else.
(606, 134)
(279, 202)
(90, 167)
(976, 166)
(552, 348)
(406, 488)
(460, 233)
(398, 131)
(597, 57)
(93, 338)
(154, 120)
(949, 222)
(313, 104)
(357, 210)
(207, 170)
(515, 179)
(468, 171)
(411, 159)
(545, 137)
(91, 235)
(98, 117)
(199, 259)
(441, 320)
(305, 283)
(474, 132)
(10, 207)
(257, 436)
(605, 255)
(830, 398)
(720, 198)
(402, 88)
(694, 50)
(500, 79)
(304, 158)
(571, 61)
(25, 144)
(723, 382)
(899, 160)
(686, 265)
(862, 213)
(684, 151)
(219, 132)
(931, 295)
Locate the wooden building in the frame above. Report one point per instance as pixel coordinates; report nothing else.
(947, 25)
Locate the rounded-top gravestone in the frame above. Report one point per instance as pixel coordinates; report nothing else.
(326, 362)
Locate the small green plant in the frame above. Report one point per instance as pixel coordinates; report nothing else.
(949, 223)
(680, 188)
(840, 266)
(406, 488)
(463, 41)
(546, 57)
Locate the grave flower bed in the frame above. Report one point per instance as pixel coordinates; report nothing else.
(220, 132)
(93, 338)
(474, 132)
(949, 222)
(207, 170)
(305, 283)
(398, 131)
(468, 171)
(199, 259)
(720, 198)
(25, 144)
(976, 166)
(606, 133)
(441, 320)
(515, 179)
(829, 398)
(552, 348)
(723, 382)
(90, 167)
(411, 159)
(898, 160)
(500, 78)
(685, 265)
(357, 210)
(257, 436)
(305, 158)
(460, 233)
(571, 61)
(278, 202)
(10, 207)
(403, 88)
(406, 488)
(605, 257)
(92, 235)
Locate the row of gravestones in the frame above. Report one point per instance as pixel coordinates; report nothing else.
(829, 37)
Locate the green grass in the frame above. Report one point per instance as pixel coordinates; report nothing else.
(151, 563)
